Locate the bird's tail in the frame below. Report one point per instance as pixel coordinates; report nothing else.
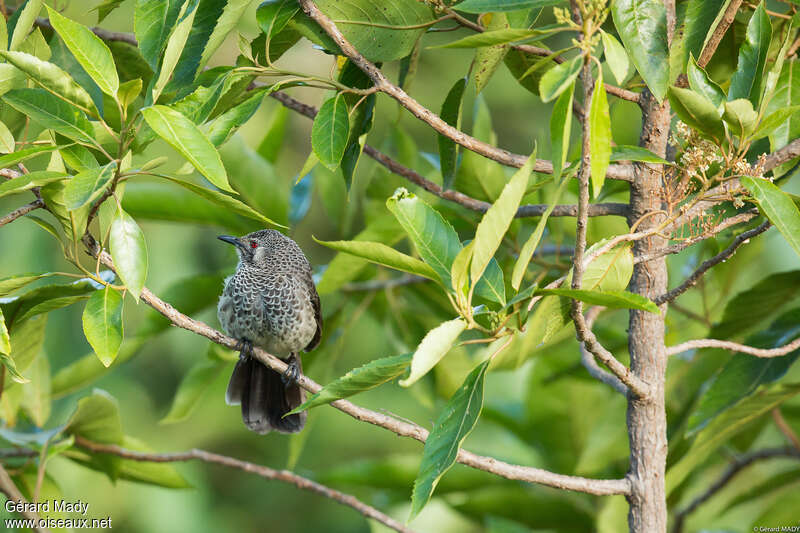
(265, 398)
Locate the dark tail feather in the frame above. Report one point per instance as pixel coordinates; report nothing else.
(264, 398)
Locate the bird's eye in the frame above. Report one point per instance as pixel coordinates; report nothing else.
(253, 245)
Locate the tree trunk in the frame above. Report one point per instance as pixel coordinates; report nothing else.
(647, 421)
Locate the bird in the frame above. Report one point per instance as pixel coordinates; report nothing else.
(270, 302)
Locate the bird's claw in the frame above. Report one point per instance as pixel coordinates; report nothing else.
(245, 348)
(292, 372)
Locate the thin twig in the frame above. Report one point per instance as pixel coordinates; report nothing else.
(487, 464)
(588, 360)
(785, 428)
(737, 466)
(11, 491)
(20, 212)
(717, 259)
(734, 346)
(251, 468)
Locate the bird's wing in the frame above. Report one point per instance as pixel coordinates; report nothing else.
(315, 304)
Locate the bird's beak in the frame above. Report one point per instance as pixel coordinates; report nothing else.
(232, 240)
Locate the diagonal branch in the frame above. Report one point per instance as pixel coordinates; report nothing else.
(20, 212)
(400, 427)
(588, 361)
(382, 83)
(11, 491)
(737, 466)
(251, 468)
(734, 346)
(707, 265)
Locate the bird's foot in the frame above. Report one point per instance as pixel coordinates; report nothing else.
(245, 348)
(292, 373)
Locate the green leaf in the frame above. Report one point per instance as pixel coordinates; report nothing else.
(105, 8)
(330, 131)
(491, 38)
(7, 144)
(778, 207)
(87, 369)
(12, 283)
(697, 112)
(485, 6)
(451, 428)
(90, 51)
(775, 120)
(97, 419)
(158, 474)
(27, 182)
(492, 285)
(614, 299)
(642, 26)
(526, 254)
(726, 426)
(187, 139)
(5, 340)
(377, 252)
(174, 47)
(102, 324)
(222, 26)
(153, 22)
(363, 378)
(747, 81)
(488, 58)
(22, 155)
(36, 394)
(222, 127)
(27, 339)
(88, 185)
(702, 84)
(45, 299)
(743, 374)
(129, 251)
(273, 140)
(766, 489)
(741, 117)
(770, 82)
(273, 15)
(625, 152)
(25, 21)
(435, 345)
(434, 237)
(616, 57)
(363, 23)
(51, 77)
(194, 384)
(559, 78)
(497, 219)
(128, 92)
(448, 149)
(600, 135)
(52, 113)
(560, 130)
(702, 18)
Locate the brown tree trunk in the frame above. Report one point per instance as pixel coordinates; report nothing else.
(647, 421)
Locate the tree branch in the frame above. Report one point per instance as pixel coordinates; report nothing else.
(707, 265)
(382, 83)
(737, 466)
(11, 491)
(734, 346)
(530, 210)
(251, 468)
(22, 211)
(588, 361)
(399, 427)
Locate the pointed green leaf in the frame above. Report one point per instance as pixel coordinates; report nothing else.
(448, 149)
(88, 185)
(615, 299)
(560, 129)
(273, 15)
(559, 78)
(363, 378)
(451, 428)
(90, 51)
(702, 84)
(616, 57)
(330, 131)
(7, 144)
(775, 120)
(491, 38)
(129, 251)
(434, 237)
(192, 387)
(5, 340)
(600, 140)
(435, 345)
(747, 81)
(498, 218)
(175, 45)
(642, 26)
(492, 285)
(153, 22)
(222, 127)
(102, 324)
(625, 152)
(187, 139)
(381, 254)
(25, 22)
(52, 113)
(697, 112)
(97, 419)
(485, 6)
(27, 182)
(778, 207)
(741, 117)
(12, 283)
(22, 155)
(488, 58)
(36, 401)
(158, 474)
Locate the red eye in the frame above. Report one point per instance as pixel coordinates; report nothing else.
(253, 245)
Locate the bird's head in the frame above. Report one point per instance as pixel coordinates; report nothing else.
(258, 247)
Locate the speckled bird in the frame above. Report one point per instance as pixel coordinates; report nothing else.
(270, 302)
